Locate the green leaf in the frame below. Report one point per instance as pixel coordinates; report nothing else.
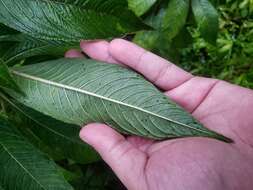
(80, 91)
(161, 41)
(6, 80)
(150, 39)
(29, 46)
(61, 137)
(207, 19)
(147, 40)
(37, 141)
(175, 17)
(140, 6)
(156, 19)
(25, 168)
(68, 21)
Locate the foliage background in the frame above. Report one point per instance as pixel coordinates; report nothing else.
(229, 58)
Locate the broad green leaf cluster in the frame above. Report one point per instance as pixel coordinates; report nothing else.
(45, 100)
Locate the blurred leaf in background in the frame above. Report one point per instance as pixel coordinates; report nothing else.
(139, 7)
(206, 17)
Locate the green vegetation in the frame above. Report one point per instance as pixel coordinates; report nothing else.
(211, 38)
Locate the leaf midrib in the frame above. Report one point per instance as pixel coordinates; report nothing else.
(56, 84)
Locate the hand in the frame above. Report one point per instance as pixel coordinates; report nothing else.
(180, 164)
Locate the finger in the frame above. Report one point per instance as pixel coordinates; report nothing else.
(73, 53)
(125, 160)
(158, 70)
(97, 50)
(192, 93)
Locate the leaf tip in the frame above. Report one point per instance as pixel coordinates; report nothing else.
(224, 138)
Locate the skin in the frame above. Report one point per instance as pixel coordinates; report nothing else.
(181, 164)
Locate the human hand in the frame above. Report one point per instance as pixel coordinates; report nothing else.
(191, 163)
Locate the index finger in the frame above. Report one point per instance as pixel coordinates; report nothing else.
(156, 69)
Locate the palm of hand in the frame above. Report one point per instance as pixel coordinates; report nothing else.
(190, 163)
(198, 163)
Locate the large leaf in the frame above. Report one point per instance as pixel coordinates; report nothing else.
(81, 91)
(6, 80)
(207, 19)
(140, 6)
(22, 167)
(70, 20)
(175, 17)
(61, 137)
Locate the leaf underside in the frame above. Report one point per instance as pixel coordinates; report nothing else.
(80, 91)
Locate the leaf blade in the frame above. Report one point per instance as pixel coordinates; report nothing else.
(87, 95)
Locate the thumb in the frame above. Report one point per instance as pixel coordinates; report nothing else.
(125, 160)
